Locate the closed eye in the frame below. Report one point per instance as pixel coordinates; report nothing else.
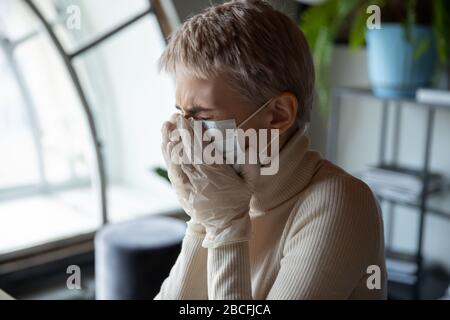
(195, 112)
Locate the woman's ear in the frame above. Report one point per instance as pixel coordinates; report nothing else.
(284, 111)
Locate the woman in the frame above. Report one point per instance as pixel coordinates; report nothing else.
(310, 231)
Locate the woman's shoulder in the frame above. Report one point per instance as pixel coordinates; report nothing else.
(331, 181)
(336, 203)
(334, 191)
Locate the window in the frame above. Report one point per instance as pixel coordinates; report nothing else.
(49, 188)
(20, 166)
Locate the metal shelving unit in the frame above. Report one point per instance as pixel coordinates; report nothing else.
(428, 203)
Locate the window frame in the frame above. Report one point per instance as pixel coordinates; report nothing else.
(52, 251)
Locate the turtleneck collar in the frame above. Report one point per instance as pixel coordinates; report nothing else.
(297, 165)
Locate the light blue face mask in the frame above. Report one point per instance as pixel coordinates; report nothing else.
(229, 145)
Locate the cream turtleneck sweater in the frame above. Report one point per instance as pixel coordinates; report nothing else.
(315, 231)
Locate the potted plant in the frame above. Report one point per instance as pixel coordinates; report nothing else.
(402, 54)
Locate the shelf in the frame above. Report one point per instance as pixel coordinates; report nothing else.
(437, 203)
(426, 282)
(434, 284)
(402, 277)
(367, 92)
(401, 256)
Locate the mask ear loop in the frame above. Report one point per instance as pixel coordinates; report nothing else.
(255, 113)
(252, 116)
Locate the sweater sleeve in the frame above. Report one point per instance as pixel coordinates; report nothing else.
(229, 275)
(330, 243)
(187, 278)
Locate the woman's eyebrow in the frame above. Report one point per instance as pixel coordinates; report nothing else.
(194, 109)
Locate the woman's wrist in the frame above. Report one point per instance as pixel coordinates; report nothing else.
(238, 230)
(195, 229)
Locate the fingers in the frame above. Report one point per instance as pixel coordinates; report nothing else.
(191, 171)
(173, 117)
(178, 156)
(165, 144)
(166, 149)
(169, 126)
(177, 176)
(195, 177)
(166, 129)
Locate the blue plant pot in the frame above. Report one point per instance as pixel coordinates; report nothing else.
(395, 68)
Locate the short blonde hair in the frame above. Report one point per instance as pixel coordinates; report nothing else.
(259, 50)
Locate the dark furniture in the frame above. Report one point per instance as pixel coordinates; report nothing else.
(437, 204)
(133, 258)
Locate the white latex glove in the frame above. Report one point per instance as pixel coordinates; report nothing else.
(212, 195)
(178, 178)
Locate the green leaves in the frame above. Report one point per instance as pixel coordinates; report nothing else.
(322, 24)
(410, 19)
(161, 172)
(422, 47)
(358, 29)
(441, 27)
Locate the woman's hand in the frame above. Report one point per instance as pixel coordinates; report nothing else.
(212, 195)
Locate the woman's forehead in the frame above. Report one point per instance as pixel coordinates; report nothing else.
(213, 92)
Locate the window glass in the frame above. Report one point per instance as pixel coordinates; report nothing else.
(46, 152)
(47, 165)
(16, 21)
(82, 21)
(63, 132)
(18, 160)
(131, 99)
